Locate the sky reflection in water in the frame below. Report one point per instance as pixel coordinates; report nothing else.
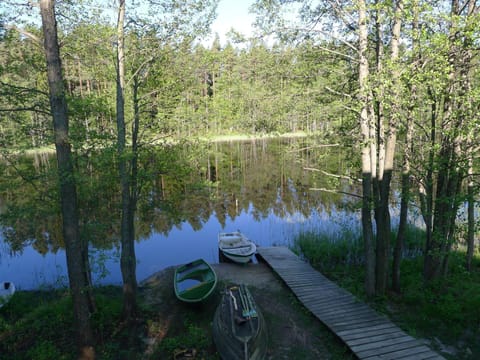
(32, 270)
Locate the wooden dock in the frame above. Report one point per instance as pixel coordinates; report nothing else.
(367, 333)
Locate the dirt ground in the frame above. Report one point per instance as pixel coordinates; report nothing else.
(292, 331)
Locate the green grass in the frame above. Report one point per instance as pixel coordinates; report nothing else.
(448, 309)
(326, 253)
(195, 337)
(39, 325)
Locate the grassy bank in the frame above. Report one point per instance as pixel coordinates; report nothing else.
(446, 312)
(38, 325)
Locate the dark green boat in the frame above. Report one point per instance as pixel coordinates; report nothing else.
(239, 329)
(195, 281)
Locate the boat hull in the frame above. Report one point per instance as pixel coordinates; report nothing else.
(195, 281)
(238, 333)
(238, 258)
(236, 247)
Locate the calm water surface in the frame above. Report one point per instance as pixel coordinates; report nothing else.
(260, 188)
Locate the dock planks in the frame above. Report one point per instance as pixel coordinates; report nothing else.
(367, 333)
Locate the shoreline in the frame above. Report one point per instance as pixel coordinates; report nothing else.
(50, 149)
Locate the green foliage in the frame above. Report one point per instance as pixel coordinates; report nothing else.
(184, 90)
(110, 309)
(448, 305)
(45, 350)
(28, 183)
(36, 329)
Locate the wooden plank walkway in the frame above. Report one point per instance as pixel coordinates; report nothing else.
(367, 333)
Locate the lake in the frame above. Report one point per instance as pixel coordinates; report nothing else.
(188, 195)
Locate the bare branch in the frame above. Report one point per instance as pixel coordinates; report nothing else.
(313, 147)
(25, 33)
(338, 53)
(333, 175)
(337, 92)
(337, 192)
(140, 68)
(351, 109)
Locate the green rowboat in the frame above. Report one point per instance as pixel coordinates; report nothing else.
(195, 281)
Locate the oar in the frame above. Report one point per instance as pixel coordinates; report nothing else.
(245, 310)
(249, 307)
(234, 300)
(253, 311)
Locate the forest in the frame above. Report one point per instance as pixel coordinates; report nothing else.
(185, 89)
(396, 83)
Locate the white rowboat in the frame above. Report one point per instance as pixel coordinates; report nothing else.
(7, 289)
(236, 247)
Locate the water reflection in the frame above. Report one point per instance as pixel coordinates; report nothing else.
(189, 194)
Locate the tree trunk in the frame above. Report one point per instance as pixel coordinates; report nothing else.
(446, 206)
(74, 247)
(386, 140)
(450, 157)
(378, 137)
(427, 187)
(469, 113)
(365, 126)
(470, 212)
(405, 180)
(127, 232)
(445, 203)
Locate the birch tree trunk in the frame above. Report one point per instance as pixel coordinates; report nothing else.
(365, 126)
(470, 211)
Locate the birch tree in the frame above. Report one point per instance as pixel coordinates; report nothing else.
(362, 26)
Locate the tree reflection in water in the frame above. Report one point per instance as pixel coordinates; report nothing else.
(188, 195)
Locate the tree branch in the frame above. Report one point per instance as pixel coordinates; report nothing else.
(313, 147)
(21, 89)
(25, 33)
(338, 53)
(32, 108)
(337, 192)
(333, 175)
(337, 92)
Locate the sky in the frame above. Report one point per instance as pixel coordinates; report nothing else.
(230, 14)
(233, 14)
